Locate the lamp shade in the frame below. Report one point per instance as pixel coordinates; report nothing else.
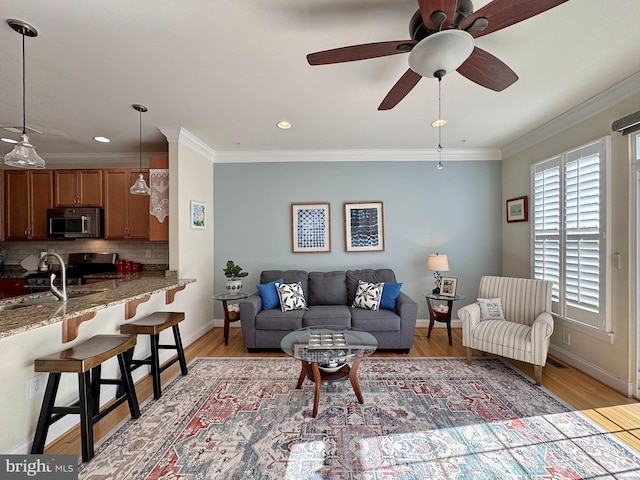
(24, 155)
(438, 263)
(445, 50)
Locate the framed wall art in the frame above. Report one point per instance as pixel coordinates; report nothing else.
(448, 286)
(310, 227)
(518, 209)
(364, 227)
(198, 218)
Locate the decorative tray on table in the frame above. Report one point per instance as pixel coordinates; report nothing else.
(327, 340)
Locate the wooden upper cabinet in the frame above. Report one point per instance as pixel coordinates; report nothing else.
(28, 195)
(78, 188)
(125, 215)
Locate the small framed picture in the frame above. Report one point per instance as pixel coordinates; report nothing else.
(197, 215)
(363, 227)
(518, 209)
(448, 286)
(310, 227)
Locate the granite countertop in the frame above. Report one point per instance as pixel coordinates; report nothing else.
(98, 296)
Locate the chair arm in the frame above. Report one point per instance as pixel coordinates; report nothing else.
(542, 327)
(407, 308)
(470, 317)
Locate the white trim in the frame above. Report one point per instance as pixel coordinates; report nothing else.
(97, 160)
(420, 323)
(606, 337)
(185, 137)
(283, 156)
(608, 378)
(601, 102)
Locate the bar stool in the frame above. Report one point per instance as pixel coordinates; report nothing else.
(152, 325)
(86, 360)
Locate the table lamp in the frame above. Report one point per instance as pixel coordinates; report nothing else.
(438, 263)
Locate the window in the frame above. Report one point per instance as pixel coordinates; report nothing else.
(569, 231)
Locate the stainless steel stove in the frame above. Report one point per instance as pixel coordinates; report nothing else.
(78, 266)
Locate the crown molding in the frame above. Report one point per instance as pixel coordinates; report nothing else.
(423, 155)
(97, 160)
(595, 105)
(185, 137)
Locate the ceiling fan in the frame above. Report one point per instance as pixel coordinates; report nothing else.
(442, 33)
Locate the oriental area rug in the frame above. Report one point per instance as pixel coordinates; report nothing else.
(422, 418)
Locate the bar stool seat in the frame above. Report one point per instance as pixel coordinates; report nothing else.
(152, 325)
(86, 360)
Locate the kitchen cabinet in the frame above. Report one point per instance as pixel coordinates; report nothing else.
(28, 195)
(77, 188)
(125, 215)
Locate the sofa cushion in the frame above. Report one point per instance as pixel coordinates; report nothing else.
(327, 288)
(367, 275)
(390, 292)
(327, 315)
(269, 294)
(491, 309)
(368, 295)
(291, 296)
(374, 320)
(289, 276)
(275, 319)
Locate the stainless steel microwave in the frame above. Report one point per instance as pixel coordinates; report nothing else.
(72, 222)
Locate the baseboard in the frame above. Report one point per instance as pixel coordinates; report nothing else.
(420, 323)
(608, 378)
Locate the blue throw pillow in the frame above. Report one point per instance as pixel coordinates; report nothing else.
(390, 292)
(269, 294)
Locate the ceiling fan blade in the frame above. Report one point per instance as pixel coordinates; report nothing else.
(400, 89)
(504, 13)
(360, 52)
(486, 70)
(429, 7)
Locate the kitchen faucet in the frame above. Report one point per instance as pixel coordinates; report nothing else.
(62, 295)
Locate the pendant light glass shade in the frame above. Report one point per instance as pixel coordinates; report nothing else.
(24, 154)
(140, 186)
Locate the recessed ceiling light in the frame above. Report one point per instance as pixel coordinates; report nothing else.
(9, 140)
(284, 125)
(438, 123)
(101, 139)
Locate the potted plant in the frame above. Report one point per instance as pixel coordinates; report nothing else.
(234, 273)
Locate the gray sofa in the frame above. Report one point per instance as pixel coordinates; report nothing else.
(329, 297)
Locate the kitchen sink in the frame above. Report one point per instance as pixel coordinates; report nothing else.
(34, 302)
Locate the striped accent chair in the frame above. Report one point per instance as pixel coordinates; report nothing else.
(524, 332)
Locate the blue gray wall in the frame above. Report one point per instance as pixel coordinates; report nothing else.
(456, 211)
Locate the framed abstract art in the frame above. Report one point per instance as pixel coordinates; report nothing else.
(310, 227)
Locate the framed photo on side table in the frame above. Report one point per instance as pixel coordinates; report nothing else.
(310, 227)
(518, 209)
(448, 286)
(363, 227)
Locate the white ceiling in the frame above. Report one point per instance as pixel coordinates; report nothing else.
(228, 71)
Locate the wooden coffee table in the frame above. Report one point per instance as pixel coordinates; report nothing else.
(325, 353)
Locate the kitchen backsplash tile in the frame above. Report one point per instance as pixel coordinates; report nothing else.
(147, 253)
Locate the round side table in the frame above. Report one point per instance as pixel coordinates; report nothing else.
(224, 298)
(440, 317)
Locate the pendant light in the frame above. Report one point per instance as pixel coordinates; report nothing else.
(140, 187)
(23, 154)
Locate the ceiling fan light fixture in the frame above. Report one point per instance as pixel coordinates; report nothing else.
(24, 154)
(445, 50)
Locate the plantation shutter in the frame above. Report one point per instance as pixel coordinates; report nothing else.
(547, 218)
(569, 231)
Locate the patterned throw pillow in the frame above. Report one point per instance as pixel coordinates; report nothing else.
(491, 309)
(368, 295)
(291, 296)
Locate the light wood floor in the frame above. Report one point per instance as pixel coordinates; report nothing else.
(612, 410)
